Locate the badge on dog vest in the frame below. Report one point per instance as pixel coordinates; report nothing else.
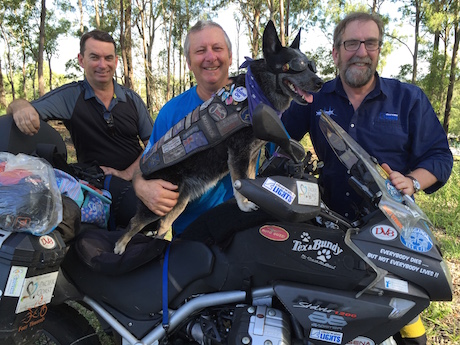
(206, 126)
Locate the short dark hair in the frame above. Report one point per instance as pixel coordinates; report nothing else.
(200, 25)
(98, 35)
(356, 16)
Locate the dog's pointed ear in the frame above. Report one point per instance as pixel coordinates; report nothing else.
(296, 43)
(271, 42)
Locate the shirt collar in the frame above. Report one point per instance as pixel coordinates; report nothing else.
(119, 95)
(336, 85)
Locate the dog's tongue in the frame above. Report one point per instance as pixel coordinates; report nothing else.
(308, 97)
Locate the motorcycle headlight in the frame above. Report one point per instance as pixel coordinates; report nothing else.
(400, 307)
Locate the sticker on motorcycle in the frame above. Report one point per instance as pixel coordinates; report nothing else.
(308, 193)
(361, 341)
(36, 291)
(47, 242)
(417, 240)
(396, 284)
(384, 232)
(279, 190)
(327, 336)
(274, 233)
(316, 250)
(15, 281)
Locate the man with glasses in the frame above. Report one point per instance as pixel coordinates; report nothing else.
(106, 120)
(392, 121)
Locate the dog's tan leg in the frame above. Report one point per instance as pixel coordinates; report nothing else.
(166, 222)
(243, 203)
(135, 225)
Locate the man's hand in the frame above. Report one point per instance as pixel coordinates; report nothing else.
(158, 195)
(25, 116)
(124, 174)
(405, 184)
(401, 182)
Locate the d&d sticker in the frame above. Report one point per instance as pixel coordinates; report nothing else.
(274, 233)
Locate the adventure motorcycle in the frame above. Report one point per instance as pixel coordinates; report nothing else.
(297, 274)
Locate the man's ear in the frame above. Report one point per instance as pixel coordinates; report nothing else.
(80, 60)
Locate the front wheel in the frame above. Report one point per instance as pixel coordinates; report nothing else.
(63, 325)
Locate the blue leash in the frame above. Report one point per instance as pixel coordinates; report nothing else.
(165, 287)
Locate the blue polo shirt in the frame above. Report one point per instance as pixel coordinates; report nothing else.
(395, 123)
(170, 114)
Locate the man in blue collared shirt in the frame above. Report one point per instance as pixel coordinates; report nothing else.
(393, 121)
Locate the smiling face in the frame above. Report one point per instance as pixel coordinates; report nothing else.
(209, 60)
(357, 68)
(99, 62)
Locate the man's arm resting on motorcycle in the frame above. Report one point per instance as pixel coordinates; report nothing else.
(405, 184)
(158, 195)
(25, 116)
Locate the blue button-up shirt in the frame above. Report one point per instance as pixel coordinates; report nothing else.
(395, 123)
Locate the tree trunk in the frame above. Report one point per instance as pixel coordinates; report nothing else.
(282, 26)
(450, 89)
(96, 14)
(417, 31)
(41, 45)
(2, 88)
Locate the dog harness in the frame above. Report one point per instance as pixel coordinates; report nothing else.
(228, 111)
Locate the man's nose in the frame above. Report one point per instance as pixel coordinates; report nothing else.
(210, 55)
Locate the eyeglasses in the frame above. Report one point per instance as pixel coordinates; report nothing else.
(353, 45)
(109, 120)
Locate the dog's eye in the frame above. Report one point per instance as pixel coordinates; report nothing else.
(285, 67)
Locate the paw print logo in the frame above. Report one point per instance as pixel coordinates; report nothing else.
(324, 255)
(305, 237)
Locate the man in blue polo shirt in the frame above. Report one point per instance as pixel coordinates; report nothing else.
(208, 53)
(392, 121)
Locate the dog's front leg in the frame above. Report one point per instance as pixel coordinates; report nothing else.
(239, 169)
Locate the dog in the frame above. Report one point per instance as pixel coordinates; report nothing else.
(284, 73)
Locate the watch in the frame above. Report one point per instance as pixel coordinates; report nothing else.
(415, 183)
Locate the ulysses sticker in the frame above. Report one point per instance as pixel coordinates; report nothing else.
(417, 240)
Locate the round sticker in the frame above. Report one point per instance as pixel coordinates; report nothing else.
(240, 94)
(384, 232)
(274, 233)
(47, 242)
(417, 240)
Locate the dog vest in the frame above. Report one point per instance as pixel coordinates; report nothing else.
(206, 126)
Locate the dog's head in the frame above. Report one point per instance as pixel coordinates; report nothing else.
(295, 75)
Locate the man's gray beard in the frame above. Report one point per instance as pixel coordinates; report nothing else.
(358, 79)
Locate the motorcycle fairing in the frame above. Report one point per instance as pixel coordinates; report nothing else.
(421, 268)
(290, 252)
(340, 312)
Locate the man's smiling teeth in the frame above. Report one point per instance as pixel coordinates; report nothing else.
(211, 68)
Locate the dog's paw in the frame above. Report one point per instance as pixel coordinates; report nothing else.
(120, 247)
(247, 206)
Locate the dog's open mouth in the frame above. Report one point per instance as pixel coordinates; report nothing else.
(299, 95)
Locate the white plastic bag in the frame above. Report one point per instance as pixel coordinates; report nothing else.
(30, 200)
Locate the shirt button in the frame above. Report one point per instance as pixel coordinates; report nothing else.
(347, 194)
(346, 214)
(352, 125)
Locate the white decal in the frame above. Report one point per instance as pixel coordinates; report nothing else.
(279, 190)
(15, 281)
(308, 193)
(384, 232)
(328, 336)
(171, 145)
(47, 242)
(240, 94)
(396, 284)
(36, 291)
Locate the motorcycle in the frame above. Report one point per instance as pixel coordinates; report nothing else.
(299, 274)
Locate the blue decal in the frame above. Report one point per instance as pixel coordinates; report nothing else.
(417, 240)
(394, 193)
